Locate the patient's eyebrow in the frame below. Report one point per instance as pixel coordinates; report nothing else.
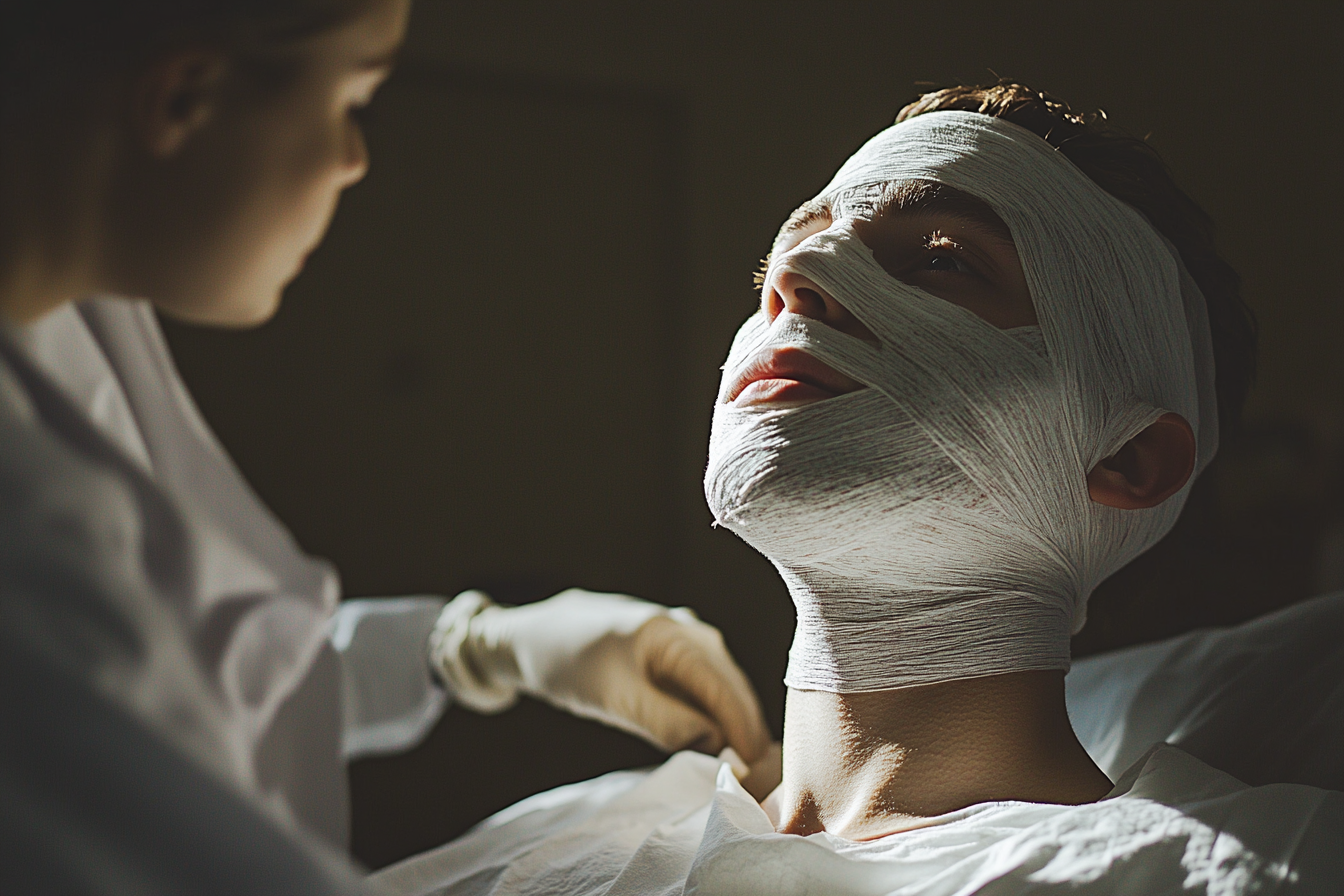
(804, 216)
(919, 198)
(908, 198)
(922, 198)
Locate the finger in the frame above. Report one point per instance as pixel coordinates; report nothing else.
(765, 774)
(671, 724)
(723, 690)
(738, 712)
(690, 659)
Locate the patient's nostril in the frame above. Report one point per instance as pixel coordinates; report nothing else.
(808, 302)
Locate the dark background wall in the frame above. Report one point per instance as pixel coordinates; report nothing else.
(498, 370)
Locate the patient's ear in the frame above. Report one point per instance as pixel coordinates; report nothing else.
(1148, 469)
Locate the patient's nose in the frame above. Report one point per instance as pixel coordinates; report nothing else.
(792, 292)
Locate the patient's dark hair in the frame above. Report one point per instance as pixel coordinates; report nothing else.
(49, 46)
(1131, 170)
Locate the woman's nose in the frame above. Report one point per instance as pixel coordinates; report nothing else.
(796, 294)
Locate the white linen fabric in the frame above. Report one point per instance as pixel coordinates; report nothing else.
(1263, 701)
(1172, 825)
(937, 525)
(77, 516)
(300, 691)
(390, 698)
(258, 606)
(122, 763)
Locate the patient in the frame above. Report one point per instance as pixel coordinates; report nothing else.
(980, 382)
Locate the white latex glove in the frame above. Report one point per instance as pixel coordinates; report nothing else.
(655, 672)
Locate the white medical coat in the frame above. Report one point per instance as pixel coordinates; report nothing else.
(293, 692)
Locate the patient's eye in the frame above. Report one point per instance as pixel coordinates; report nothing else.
(944, 255)
(961, 254)
(946, 262)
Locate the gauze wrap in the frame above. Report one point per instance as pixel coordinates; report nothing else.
(937, 525)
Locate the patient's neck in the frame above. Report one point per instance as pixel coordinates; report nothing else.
(864, 765)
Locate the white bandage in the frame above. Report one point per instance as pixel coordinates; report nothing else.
(937, 525)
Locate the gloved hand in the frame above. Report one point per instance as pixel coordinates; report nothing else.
(761, 777)
(655, 672)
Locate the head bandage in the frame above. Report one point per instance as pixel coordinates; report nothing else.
(937, 525)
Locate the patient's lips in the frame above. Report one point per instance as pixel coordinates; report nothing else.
(786, 377)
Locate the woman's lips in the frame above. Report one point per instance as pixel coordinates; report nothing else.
(787, 376)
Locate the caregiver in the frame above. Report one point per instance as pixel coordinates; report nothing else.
(175, 698)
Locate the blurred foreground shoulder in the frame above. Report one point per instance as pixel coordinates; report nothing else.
(117, 773)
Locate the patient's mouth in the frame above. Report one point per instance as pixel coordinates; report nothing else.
(787, 377)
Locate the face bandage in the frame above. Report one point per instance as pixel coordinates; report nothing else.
(937, 525)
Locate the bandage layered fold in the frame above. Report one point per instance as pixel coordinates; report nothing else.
(937, 525)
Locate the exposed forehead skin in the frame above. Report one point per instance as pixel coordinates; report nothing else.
(904, 197)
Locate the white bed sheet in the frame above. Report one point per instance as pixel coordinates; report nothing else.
(1262, 701)
(1172, 825)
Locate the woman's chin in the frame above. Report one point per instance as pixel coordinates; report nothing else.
(225, 312)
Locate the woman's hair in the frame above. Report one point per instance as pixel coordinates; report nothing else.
(1131, 170)
(47, 45)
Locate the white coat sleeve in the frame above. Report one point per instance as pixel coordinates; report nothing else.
(390, 698)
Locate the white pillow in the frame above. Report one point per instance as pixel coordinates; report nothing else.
(1262, 701)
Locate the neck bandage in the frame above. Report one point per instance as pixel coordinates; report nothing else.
(937, 525)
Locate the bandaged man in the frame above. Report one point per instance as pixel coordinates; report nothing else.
(978, 384)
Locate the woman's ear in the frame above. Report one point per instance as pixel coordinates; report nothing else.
(175, 97)
(1148, 469)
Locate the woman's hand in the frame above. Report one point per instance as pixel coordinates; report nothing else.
(655, 672)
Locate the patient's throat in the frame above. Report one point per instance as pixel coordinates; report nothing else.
(866, 765)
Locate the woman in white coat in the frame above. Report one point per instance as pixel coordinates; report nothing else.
(179, 688)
